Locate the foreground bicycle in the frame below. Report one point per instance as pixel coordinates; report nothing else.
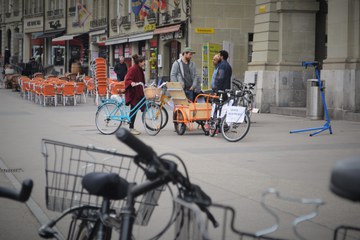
(22, 195)
(105, 178)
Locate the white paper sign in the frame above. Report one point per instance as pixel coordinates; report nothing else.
(235, 114)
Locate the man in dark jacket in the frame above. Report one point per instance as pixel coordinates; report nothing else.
(120, 69)
(223, 78)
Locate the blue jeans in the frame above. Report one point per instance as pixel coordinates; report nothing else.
(190, 94)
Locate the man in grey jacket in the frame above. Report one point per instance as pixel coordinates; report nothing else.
(183, 70)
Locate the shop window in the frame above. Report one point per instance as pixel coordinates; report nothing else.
(58, 55)
(250, 46)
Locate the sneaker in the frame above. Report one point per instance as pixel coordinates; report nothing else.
(134, 131)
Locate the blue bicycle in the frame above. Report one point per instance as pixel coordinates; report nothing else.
(112, 113)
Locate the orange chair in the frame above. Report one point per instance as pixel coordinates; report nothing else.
(68, 91)
(38, 89)
(117, 87)
(38, 75)
(58, 85)
(48, 91)
(80, 90)
(90, 86)
(101, 92)
(24, 83)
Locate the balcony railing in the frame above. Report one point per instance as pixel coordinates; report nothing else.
(152, 17)
(125, 21)
(16, 13)
(176, 14)
(98, 23)
(8, 14)
(138, 21)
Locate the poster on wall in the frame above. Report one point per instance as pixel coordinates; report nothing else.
(208, 52)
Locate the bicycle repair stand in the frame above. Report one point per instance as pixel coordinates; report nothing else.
(327, 124)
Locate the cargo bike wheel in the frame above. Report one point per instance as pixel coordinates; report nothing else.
(107, 118)
(179, 122)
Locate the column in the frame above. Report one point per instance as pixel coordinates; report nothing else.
(341, 69)
(284, 36)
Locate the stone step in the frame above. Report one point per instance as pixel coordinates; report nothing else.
(301, 112)
(290, 111)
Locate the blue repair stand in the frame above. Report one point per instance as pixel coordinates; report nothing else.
(327, 124)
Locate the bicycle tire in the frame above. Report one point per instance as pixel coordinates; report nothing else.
(180, 126)
(103, 118)
(234, 132)
(85, 231)
(165, 117)
(151, 119)
(212, 128)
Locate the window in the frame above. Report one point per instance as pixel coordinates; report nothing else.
(250, 46)
(99, 9)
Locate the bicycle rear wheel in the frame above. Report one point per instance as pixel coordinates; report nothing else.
(213, 128)
(105, 118)
(233, 131)
(151, 119)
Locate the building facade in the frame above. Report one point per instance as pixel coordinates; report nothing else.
(267, 41)
(11, 26)
(287, 32)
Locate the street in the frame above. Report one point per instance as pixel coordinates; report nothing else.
(231, 173)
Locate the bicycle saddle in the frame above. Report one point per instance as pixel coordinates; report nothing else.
(107, 185)
(345, 179)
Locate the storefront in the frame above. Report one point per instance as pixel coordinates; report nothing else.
(98, 46)
(169, 48)
(33, 45)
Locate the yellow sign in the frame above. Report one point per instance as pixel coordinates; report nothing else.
(205, 30)
(149, 27)
(262, 9)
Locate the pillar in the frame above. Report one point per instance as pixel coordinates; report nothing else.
(341, 69)
(284, 36)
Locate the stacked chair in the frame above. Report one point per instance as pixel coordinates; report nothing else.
(100, 78)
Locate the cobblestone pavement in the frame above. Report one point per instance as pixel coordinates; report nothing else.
(232, 173)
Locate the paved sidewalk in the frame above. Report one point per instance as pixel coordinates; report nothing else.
(232, 173)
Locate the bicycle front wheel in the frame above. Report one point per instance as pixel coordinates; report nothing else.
(165, 117)
(234, 131)
(152, 120)
(107, 118)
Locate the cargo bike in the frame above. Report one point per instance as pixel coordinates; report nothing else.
(186, 113)
(215, 113)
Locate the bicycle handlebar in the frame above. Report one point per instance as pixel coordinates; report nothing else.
(148, 156)
(143, 150)
(22, 195)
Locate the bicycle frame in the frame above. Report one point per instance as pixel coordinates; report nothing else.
(125, 113)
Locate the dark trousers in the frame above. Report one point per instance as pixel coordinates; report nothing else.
(190, 94)
(132, 120)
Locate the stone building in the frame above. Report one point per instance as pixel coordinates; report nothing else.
(11, 26)
(267, 41)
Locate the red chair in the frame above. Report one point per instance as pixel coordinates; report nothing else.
(48, 91)
(80, 90)
(68, 91)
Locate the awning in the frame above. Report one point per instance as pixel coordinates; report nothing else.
(116, 41)
(141, 36)
(98, 32)
(51, 34)
(65, 37)
(168, 29)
